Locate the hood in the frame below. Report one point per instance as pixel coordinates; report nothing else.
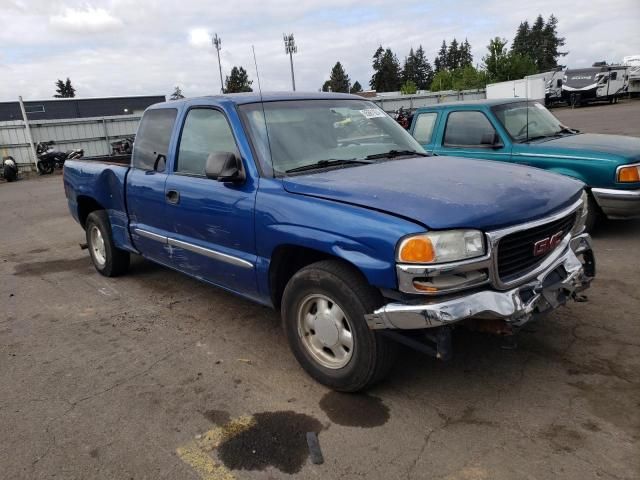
(444, 192)
(588, 145)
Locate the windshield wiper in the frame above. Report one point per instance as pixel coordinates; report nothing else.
(396, 153)
(330, 162)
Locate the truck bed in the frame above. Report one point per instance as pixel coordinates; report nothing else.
(124, 159)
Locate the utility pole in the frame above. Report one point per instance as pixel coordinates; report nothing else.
(290, 48)
(27, 130)
(217, 44)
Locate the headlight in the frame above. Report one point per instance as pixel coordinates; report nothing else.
(628, 173)
(581, 215)
(441, 247)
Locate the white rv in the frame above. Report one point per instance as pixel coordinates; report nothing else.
(632, 62)
(599, 83)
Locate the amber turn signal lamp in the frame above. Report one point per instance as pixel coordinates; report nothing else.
(629, 174)
(417, 250)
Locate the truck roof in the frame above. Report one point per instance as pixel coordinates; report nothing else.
(255, 97)
(463, 103)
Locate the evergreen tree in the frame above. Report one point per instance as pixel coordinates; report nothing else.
(466, 58)
(453, 55)
(387, 75)
(540, 42)
(424, 72)
(64, 89)
(417, 69)
(177, 94)
(521, 39)
(356, 88)
(440, 62)
(326, 86)
(339, 80)
(552, 43)
(238, 81)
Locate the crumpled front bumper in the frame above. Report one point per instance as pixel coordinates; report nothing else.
(571, 273)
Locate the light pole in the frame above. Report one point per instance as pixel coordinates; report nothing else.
(290, 48)
(217, 43)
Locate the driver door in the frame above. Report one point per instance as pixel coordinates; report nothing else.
(212, 227)
(469, 133)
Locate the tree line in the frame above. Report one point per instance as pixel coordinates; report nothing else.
(534, 49)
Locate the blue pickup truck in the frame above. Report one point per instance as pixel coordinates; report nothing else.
(322, 206)
(525, 132)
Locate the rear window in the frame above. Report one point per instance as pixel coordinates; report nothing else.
(152, 140)
(423, 130)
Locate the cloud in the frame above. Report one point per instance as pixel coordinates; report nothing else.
(199, 37)
(87, 20)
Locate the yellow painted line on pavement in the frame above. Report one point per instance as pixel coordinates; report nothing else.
(195, 453)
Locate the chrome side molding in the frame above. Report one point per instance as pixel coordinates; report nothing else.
(207, 252)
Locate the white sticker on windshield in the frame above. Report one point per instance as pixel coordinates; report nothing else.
(372, 113)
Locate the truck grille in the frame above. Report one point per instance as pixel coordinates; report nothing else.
(516, 255)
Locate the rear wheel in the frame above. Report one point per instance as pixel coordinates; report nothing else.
(107, 259)
(323, 309)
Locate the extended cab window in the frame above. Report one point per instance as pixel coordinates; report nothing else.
(205, 131)
(152, 140)
(467, 129)
(423, 130)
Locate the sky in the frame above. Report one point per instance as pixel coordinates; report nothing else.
(147, 47)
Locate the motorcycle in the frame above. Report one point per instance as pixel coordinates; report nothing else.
(9, 169)
(403, 117)
(50, 158)
(123, 146)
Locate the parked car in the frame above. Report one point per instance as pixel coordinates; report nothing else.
(322, 206)
(525, 132)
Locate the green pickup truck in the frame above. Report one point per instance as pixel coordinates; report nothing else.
(525, 132)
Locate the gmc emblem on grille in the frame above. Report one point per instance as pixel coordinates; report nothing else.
(547, 244)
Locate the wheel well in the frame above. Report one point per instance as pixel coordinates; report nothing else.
(286, 261)
(86, 205)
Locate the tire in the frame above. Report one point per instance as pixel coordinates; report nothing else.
(45, 167)
(593, 216)
(370, 356)
(107, 259)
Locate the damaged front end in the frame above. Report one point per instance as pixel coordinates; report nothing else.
(498, 292)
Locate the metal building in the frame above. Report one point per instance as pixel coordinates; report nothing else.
(67, 108)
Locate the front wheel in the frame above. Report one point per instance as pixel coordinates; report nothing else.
(323, 309)
(108, 260)
(44, 167)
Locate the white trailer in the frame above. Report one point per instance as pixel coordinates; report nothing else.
(632, 62)
(533, 88)
(599, 83)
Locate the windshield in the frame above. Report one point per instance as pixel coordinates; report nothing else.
(302, 133)
(514, 118)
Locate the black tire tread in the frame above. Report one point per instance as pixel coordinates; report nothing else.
(117, 262)
(382, 356)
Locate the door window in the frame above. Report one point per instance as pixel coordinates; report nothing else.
(152, 140)
(205, 131)
(468, 129)
(423, 129)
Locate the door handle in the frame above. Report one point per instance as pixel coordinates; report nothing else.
(173, 196)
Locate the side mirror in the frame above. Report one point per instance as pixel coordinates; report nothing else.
(225, 167)
(492, 140)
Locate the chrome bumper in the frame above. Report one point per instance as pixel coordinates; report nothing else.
(618, 204)
(551, 288)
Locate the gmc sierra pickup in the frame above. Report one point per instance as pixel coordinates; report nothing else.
(321, 206)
